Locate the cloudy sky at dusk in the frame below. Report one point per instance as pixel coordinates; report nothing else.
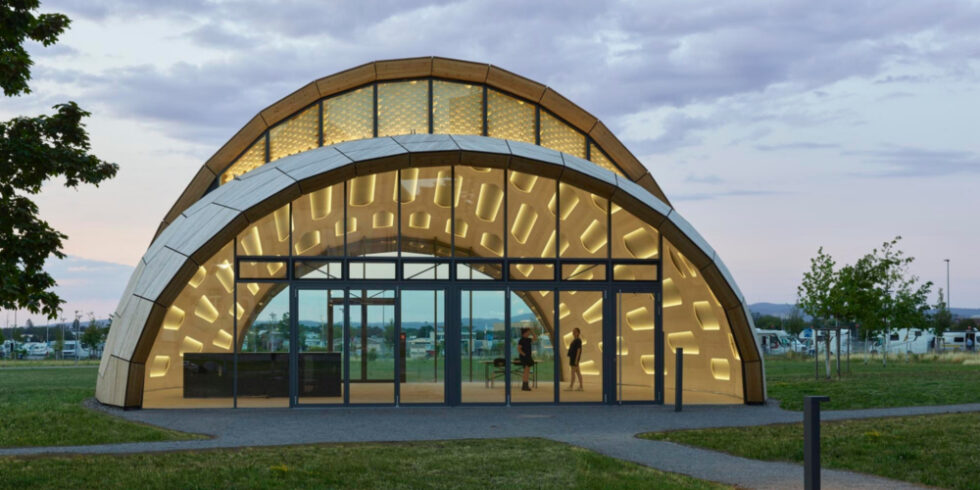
(774, 127)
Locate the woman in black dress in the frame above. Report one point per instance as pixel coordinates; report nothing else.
(574, 356)
(524, 351)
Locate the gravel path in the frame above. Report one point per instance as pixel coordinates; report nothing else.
(608, 430)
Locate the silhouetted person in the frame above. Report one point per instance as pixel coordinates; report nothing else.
(574, 356)
(524, 351)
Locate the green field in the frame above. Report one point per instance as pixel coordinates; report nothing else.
(936, 450)
(922, 381)
(41, 407)
(496, 463)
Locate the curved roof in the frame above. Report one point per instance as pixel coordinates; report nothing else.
(442, 68)
(203, 228)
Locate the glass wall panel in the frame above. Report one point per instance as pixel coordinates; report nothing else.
(479, 271)
(267, 236)
(457, 108)
(422, 346)
(482, 357)
(559, 136)
(403, 108)
(349, 116)
(599, 158)
(296, 134)
(581, 310)
(320, 330)
(532, 335)
(318, 222)
(583, 272)
(635, 373)
(480, 204)
(635, 272)
(525, 271)
(425, 270)
(372, 213)
(510, 118)
(263, 360)
(372, 346)
(584, 225)
(314, 269)
(531, 202)
(190, 363)
(254, 269)
(426, 197)
(632, 237)
(371, 270)
(252, 159)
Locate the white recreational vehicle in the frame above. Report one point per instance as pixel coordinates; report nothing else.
(815, 340)
(776, 341)
(903, 341)
(959, 341)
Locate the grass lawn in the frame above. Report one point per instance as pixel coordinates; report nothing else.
(41, 407)
(938, 450)
(919, 382)
(497, 463)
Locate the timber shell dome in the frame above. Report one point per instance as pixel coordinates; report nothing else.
(434, 178)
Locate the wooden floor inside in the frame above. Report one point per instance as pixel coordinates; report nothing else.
(433, 393)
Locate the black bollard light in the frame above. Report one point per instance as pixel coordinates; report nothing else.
(679, 379)
(811, 441)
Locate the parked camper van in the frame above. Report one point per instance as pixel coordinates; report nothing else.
(68, 352)
(36, 350)
(957, 341)
(816, 340)
(906, 341)
(776, 341)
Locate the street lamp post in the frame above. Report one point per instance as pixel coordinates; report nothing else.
(947, 285)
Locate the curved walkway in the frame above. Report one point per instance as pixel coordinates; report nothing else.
(609, 430)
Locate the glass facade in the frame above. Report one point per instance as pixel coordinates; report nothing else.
(416, 107)
(416, 286)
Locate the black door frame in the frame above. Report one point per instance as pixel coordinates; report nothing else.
(452, 309)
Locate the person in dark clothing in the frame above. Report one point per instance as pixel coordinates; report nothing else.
(524, 353)
(574, 356)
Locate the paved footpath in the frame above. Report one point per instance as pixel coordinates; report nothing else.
(608, 430)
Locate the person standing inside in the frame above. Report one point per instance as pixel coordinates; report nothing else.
(574, 356)
(524, 352)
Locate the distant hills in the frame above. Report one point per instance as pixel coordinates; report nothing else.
(784, 309)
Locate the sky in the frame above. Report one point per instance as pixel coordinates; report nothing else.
(774, 127)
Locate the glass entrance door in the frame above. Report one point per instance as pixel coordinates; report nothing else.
(422, 346)
(371, 344)
(636, 347)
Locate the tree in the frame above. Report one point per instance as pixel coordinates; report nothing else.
(794, 323)
(877, 291)
(92, 336)
(818, 295)
(34, 150)
(767, 322)
(942, 319)
(59, 344)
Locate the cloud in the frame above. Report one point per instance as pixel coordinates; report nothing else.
(704, 179)
(800, 145)
(905, 161)
(706, 196)
(614, 58)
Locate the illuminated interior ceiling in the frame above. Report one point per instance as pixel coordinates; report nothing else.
(414, 96)
(179, 299)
